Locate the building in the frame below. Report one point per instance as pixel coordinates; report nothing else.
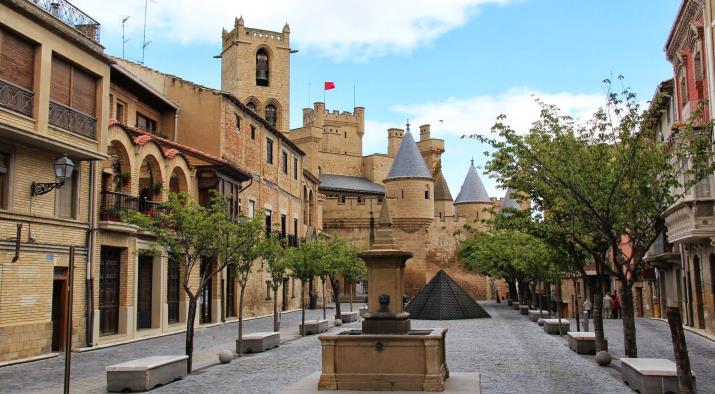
(54, 84)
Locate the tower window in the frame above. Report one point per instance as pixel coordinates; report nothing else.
(269, 151)
(238, 123)
(253, 132)
(271, 115)
(284, 162)
(251, 105)
(426, 194)
(262, 67)
(295, 168)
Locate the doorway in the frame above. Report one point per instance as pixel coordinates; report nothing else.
(144, 288)
(207, 292)
(59, 309)
(230, 291)
(109, 271)
(172, 290)
(712, 279)
(698, 279)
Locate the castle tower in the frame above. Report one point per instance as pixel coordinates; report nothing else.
(394, 140)
(442, 196)
(255, 67)
(473, 201)
(342, 131)
(509, 201)
(430, 148)
(410, 183)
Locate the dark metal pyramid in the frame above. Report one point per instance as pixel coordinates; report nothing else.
(443, 299)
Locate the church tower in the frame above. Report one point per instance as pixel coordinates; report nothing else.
(255, 67)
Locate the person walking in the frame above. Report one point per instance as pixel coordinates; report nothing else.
(616, 305)
(586, 313)
(607, 306)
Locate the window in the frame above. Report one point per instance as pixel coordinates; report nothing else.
(73, 98)
(683, 89)
(66, 197)
(119, 111)
(295, 167)
(268, 222)
(4, 180)
(17, 65)
(271, 115)
(284, 162)
(238, 123)
(146, 123)
(342, 199)
(360, 200)
(427, 193)
(262, 68)
(251, 208)
(253, 132)
(251, 105)
(269, 151)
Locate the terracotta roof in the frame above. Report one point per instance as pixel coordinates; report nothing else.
(472, 189)
(408, 162)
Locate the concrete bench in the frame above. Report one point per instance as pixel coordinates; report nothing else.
(515, 305)
(524, 309)
(145, 373)
(583, 342)
(313, 327)
(551, 326)
(509, 302)
(349, 317)
(535, 315)
(362, 311)
(650, 375)
(260, 342)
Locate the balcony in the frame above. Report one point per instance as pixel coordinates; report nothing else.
(16, 98)
(71, 16)
(114, 204)
(72, 120)
(690, 220)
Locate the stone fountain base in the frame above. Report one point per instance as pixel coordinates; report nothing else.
(410, 362)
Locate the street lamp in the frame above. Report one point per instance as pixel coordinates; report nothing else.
(63, 171)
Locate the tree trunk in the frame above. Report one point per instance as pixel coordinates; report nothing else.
(630, 347)
(686, 382)
(598, 315)
(302, 308)
(239, 345)
(512, 290)
(336, 292)
(276, 323)
(558, 306)
(351, 296)
(323, 282)
(190, 333)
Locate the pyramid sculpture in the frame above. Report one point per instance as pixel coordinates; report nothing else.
(443, 299)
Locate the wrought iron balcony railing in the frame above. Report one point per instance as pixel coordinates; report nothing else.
(72, 16)
(72, 120)
(16, 98)
(114, 204)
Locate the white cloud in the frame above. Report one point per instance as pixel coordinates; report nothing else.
(345, 29)
(476, 115)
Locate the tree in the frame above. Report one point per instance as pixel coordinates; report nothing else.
(239, 245)
(612, 172)
(304, 263)
(273, 253)
(341, 261)
(187, 231)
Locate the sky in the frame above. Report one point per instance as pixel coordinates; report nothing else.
(455, 64)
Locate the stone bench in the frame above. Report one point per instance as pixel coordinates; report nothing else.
(650, 375)
(145, 373)
(313, 327)
(362, 311)
(583, 342)
(551, 326)
(509, 302)
(515, 305)
(535, 315)
(259, 342)
(524, 309)
(349, 317)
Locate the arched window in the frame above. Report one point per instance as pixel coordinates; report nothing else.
(262, 67)
(271, 114)
(251, 105)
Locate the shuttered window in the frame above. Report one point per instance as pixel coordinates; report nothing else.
(17, 60)
(73, 87)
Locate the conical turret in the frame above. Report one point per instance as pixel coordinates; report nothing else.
(473, 200)
(442, 196)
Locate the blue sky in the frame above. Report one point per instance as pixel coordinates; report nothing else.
(462, 61)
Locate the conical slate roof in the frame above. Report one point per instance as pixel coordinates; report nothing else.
(508, 202)
(472, 189)
(443, 299)
(441, 189)
(408, 162)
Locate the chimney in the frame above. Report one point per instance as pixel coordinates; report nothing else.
(394, 140)
(424, 132)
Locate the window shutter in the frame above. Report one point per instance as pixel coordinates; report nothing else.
(60, 86)
(84, 92)
(17, 58)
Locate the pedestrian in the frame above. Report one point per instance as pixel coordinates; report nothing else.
(607, 306)
(586, 313)
(616, 304)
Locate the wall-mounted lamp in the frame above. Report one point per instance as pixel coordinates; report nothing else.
(64, 167)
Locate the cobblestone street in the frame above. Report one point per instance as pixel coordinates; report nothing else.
(511, 353)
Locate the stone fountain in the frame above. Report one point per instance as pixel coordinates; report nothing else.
(386, 354)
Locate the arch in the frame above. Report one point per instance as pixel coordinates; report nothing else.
(253, 103)
(262, 67)
(150, 182)
(117, 170)
(271, 114)
(178, 182)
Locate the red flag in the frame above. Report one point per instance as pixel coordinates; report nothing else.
(329, 85)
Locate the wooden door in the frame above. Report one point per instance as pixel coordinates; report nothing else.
(230, 291)
(59, 308)
(109, 274)
(144, 288)
(207, 293)
(173, 288)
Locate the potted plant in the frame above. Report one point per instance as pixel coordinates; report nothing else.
(126, 177)
(156, 188)
(109, 214)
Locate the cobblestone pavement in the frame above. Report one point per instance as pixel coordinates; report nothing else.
(88, 368)
(511, 353)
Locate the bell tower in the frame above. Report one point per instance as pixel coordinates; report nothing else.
(255, 67)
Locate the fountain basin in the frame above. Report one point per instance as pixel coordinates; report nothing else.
(414, 361)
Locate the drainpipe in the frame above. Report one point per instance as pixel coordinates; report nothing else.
(176, 126)
(89, 285)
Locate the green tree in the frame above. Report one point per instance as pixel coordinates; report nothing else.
(187, 231)
(273, 253)
(304, 263)
(341, 261)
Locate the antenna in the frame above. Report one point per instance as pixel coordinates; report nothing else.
(144, 41)
(124, 41)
